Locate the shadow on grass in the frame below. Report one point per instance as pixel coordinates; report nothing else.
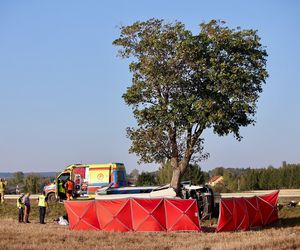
(281, 223)
(207, 229)
(287, 222)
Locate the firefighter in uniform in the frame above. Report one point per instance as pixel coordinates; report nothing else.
(42, 204)
(21, 206)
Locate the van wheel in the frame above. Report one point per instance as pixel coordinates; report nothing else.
(52, 198)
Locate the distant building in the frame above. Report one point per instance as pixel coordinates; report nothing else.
(215, 180)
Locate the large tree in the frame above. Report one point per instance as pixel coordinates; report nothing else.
(184, 83)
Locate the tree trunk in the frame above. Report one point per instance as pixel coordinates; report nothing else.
(178, 171)
(175, 182)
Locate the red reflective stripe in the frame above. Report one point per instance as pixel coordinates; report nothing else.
(106, 168)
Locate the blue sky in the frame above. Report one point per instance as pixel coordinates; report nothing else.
(61, 82)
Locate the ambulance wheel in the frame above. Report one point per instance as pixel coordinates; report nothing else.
(51, 198)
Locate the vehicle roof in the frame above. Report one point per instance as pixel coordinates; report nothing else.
(93, 165)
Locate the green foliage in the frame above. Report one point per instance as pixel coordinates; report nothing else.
(234, 179)
(230, 180)
(32, 184)
(290, 176)
(146, 179)
(183, 84)
(287, 176)
(133, 176)
(164, 174)
(17, 179)
(134, 173)
(217, 171)
(193, 173)
(221, 188)
(206, 177)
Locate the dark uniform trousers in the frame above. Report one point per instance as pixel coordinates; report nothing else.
(42, 214)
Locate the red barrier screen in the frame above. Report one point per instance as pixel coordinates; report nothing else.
(114, 215)
(148, 215)
(245, 213)
(139, 215)
(82, 215)
(268, 207)
(182, 215)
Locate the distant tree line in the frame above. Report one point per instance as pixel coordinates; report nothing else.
(33, 183)
(241, 179)
(234, 179)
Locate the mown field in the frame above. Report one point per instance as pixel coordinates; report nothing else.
(285, 234)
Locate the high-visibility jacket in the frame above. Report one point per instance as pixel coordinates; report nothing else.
(42, 201)
(20, 204)
(2, 186)
(61, 188)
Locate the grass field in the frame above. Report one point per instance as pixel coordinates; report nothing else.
(285, 234)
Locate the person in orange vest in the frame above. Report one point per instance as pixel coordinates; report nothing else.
(69, 188)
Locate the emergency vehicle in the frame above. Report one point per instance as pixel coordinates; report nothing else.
(87, 178)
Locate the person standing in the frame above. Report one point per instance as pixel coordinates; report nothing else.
(42, 203)
(2, 189)
(17, 189)
(69, 188)
(26, 201)
(21, 206)
(61, 190)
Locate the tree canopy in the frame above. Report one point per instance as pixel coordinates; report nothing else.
(184, 83)
(17, 179)
(146, 179)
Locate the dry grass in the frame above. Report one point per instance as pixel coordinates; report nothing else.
(51, 236)
(8, 210)
(284, 235)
